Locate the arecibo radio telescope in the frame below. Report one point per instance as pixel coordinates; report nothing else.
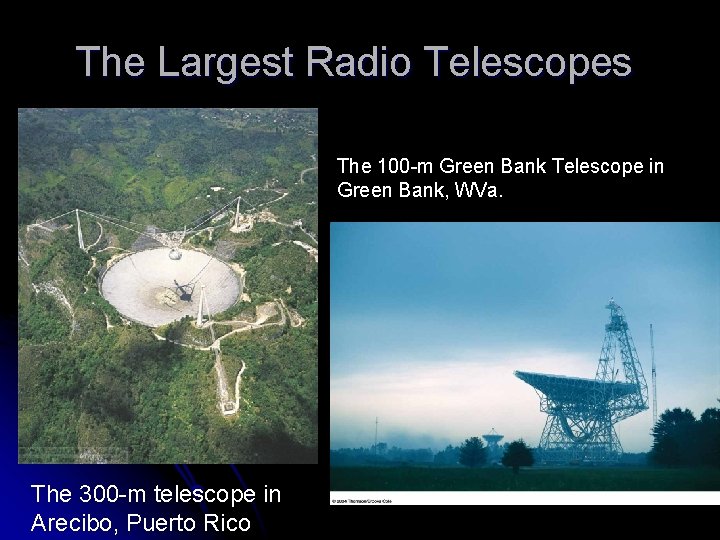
(155, 287)
(582, 413)
(155, 277)
(162, 282)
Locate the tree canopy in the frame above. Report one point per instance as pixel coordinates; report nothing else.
(449, 456)
(472, 452)
(517, 455)
(680, 440)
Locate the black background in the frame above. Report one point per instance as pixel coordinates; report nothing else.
(655, 112)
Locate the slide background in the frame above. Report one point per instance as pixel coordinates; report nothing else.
(658, 111)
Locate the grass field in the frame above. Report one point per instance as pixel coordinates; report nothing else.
(550, 479)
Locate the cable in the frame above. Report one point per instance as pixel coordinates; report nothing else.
(221, 209)
(120, 225)
(201, 271)
(116, 220)
(52, 219)
(213, 215)
(120, 219)
(138, 271)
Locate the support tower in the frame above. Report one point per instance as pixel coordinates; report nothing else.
(80, 238)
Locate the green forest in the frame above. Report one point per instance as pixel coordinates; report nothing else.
(95, 387)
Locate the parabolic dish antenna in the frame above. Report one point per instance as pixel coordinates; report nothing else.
(153, 289)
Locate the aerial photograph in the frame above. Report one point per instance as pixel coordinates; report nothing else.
(525, 357)
(167, 285)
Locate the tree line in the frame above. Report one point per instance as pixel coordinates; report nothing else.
(471, 453)
(680, 440)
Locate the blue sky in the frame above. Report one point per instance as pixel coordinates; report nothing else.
(429, 320)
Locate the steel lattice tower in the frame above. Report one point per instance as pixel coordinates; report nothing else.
(582, 413)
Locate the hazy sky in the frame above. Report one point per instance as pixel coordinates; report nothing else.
(429, 321)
